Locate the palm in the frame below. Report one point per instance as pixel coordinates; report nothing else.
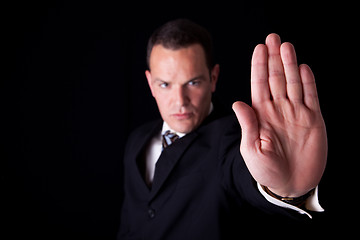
(284, 138)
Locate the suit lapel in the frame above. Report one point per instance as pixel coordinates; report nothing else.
(138, 160)
(168, 159)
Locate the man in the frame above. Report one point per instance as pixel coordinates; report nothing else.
(188, 176)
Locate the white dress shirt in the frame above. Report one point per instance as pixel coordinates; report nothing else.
(153, 152)
(155, 148)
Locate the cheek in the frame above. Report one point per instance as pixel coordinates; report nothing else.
(163, 103)
(201, 98)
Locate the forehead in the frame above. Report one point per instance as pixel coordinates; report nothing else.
(191, 58)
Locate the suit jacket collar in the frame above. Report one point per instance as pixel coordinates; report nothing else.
(142, 140)
(167, 160)
(172, 154)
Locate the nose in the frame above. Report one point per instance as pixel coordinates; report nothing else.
(181, 97)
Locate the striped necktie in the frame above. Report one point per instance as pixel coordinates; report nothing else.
(169, 138)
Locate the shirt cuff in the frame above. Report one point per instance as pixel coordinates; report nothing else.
(311, 204)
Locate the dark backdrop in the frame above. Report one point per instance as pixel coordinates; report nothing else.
(77, 88)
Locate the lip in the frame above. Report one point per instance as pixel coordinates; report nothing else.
(182, 116)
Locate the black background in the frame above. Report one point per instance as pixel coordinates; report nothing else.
(76, 88)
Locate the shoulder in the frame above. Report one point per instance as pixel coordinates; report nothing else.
(221, 124)
(221, 120)
(143, 133)
(222, 132)
(147, 128)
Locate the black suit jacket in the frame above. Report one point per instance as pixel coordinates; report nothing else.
(202, 188)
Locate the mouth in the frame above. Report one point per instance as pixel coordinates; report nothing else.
(182, 116)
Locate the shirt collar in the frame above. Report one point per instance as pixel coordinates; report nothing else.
(166, 127)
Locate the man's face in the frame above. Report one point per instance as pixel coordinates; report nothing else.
(180, 83)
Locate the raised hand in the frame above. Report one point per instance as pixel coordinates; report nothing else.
(284, 142)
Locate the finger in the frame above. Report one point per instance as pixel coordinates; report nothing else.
(275, 67)
(259, 75)
(291, 69)
(311, 99)
(249, 125)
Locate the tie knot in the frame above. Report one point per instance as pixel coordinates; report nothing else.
(169, 138)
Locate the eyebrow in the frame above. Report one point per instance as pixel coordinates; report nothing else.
(200, 77)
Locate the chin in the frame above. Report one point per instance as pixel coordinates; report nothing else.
(183, 127)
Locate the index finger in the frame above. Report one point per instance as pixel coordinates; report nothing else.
(259, 75)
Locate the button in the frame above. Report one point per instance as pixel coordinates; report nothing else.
(151, 213)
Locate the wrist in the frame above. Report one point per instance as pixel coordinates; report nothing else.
(295, 201)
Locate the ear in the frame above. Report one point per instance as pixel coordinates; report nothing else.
(148, 77)
(214, 76)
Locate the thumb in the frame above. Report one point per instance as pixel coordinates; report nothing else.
(248, 123)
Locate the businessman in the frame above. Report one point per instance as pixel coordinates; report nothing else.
(190, 174)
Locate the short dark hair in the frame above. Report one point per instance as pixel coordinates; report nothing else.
(181, 33)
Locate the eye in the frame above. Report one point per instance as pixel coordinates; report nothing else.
(194, 83)
(164, 85)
